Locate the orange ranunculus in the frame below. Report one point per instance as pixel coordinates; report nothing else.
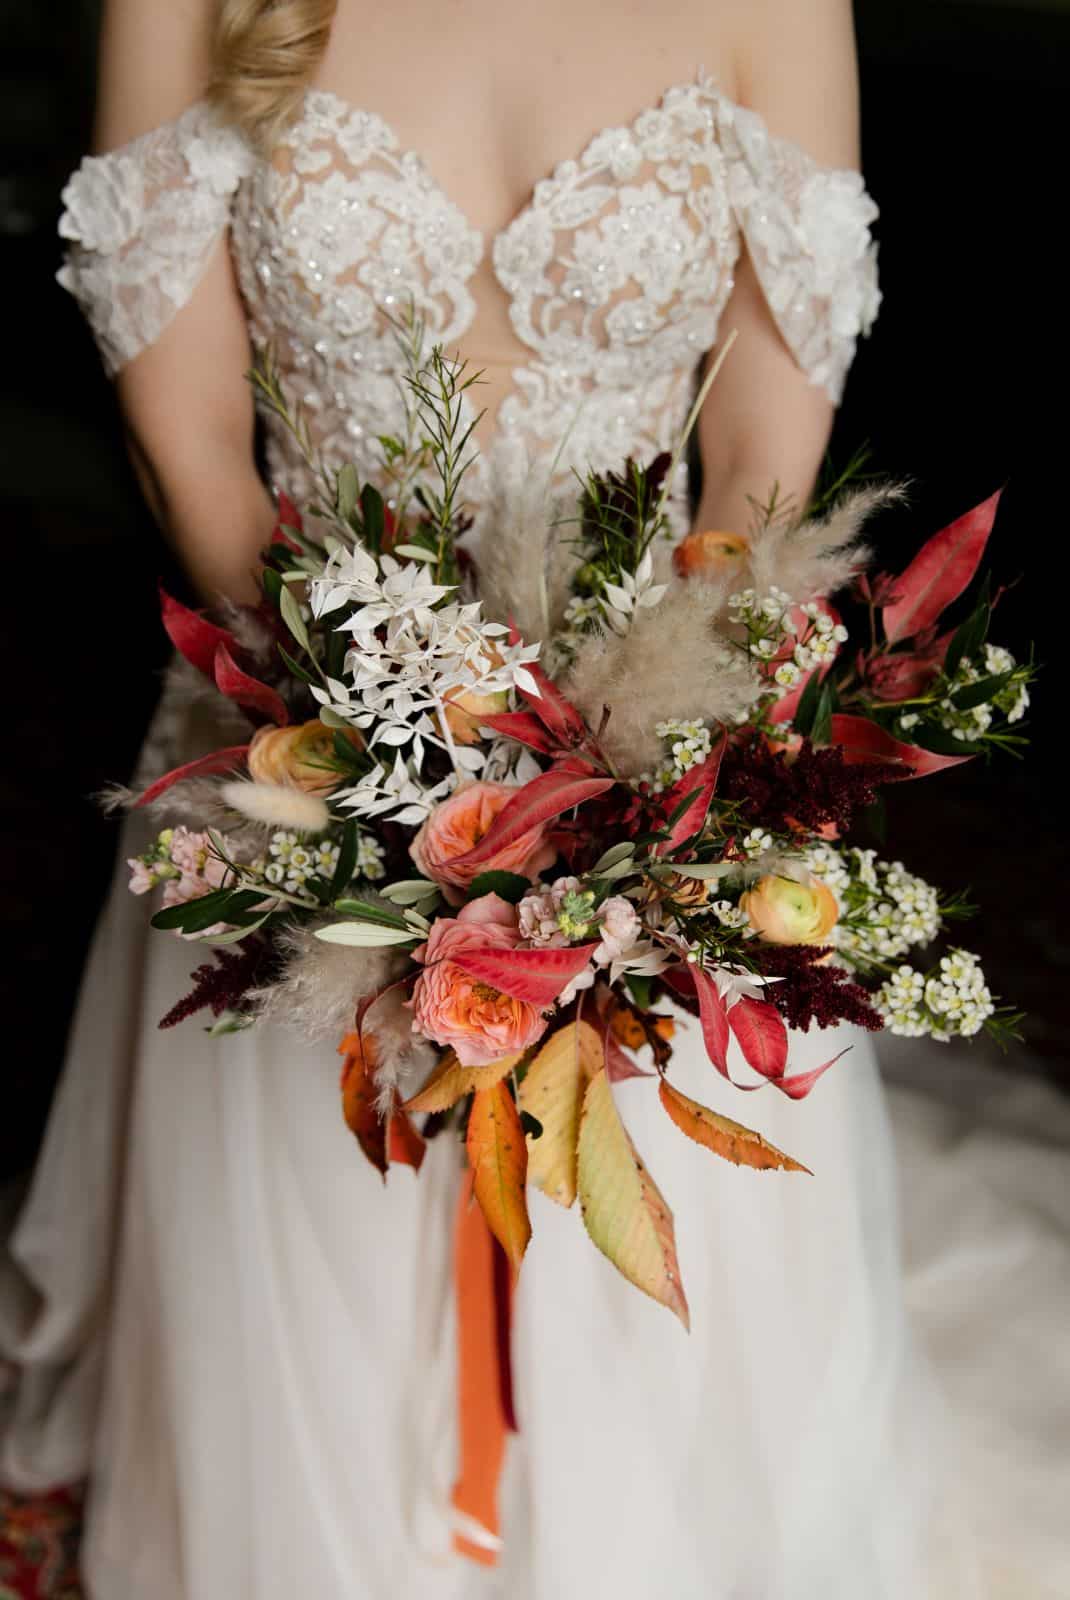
(710, 554)
(479, 1022)
(457, 825)
(465, 709)
(782, 911)
(299, 755)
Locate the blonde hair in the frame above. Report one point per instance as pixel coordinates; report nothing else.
(265, 52)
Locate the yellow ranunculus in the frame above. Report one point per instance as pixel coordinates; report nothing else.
(298, 756)
(710, 554)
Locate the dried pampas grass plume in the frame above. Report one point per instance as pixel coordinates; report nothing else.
(513, 565)
(276, 805)
(322, 984)
(670, 663)
(818, 557)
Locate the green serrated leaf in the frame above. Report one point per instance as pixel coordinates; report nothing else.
(508, 886)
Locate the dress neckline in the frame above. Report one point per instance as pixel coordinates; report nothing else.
(702, 84)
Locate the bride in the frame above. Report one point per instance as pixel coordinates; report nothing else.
(224, 1320)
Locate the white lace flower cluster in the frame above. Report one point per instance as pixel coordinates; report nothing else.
(410, 651)
(884, 909)
(971, 721)
(951, 1000)
(687, 744)
(773, 620)
(295, 860)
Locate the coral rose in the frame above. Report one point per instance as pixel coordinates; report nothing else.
(459, 823)
(782, 911)
(452, 1008)
(710, 554)
(301, 756)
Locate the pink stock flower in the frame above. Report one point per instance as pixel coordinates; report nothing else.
(479, 1022)
(142, 877)
(459, 823)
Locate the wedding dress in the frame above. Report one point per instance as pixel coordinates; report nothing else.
(226, 1320)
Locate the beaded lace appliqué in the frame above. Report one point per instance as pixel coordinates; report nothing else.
(617, 270)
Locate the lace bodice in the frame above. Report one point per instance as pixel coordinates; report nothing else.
(616, 271)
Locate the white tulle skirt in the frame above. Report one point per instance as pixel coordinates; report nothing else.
(222, 1316)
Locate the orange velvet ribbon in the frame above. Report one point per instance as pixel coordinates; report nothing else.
(484, 1307)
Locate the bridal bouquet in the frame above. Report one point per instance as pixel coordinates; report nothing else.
(496, 827)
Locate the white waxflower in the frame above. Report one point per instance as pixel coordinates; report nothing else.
(787, 675)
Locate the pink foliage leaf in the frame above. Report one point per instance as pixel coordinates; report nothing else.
(553, 708)
(619, 1064)
(799, 1085)
(219, 761)
(521, 726)
(192, 635)
(713, 1017)
(939, 572)
(249, 693)
(289, 517)
(537, 976)
(700, 782)
(762, 1036)
(862, 740)
(539, 801)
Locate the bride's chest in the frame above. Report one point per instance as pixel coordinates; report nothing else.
(622, 253)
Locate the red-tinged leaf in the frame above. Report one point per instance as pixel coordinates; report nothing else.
(939, 572)
(901, 677)
(619, 1064)
(228, 760)
(537, 976)
(192, 635)
(726, 1138)
(498, 1157)
(289, 517)
(700, 783)
(359, 1095)
(404, 1146)
(521, 726)
(713, 1016)
(862, 741)
(249, 693)
(538, 802)
(799, 1086)
(762, 1036)
(551, 706)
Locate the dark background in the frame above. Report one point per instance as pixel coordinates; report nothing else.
(962, 104)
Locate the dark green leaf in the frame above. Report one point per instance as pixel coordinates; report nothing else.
(874, 819)
(367, 911)
(806, 711)
(639, 988)
(508, 886)
(337, 645)
(221, 905)
(976, 694)
(347, 856)
(348, 488)
(943, 743)
(371, 510)
(271, 584)
(352, 759)
(968, 639)
(821, 731)
(293, 668)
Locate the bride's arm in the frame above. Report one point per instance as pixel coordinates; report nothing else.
(187, 407)
(763, 421)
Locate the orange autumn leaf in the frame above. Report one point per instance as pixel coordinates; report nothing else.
(626, 1026)
(623, 1209)
(404, 1146)
(450, 1082)
(498, 1157)
(723, 1136)
(358, 1099)
(552, 1092)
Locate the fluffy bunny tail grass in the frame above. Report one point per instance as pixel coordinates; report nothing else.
(821, 556)
(276, 805)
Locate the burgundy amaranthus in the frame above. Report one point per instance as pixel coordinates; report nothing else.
(782, 792)
(222, 983)
(813, 992)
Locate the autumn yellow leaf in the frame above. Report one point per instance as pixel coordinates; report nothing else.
(723, 1136)
(498, 1158)
(449, 1082)
(623, 1209)
(552, 1092)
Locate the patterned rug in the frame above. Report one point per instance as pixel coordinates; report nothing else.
(39, 1546)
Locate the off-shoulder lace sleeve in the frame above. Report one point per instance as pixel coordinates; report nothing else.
(142, 222)
(808, 234)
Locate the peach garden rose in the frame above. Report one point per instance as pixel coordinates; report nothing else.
(479, 1022)
(457, 825)
(299, 755)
